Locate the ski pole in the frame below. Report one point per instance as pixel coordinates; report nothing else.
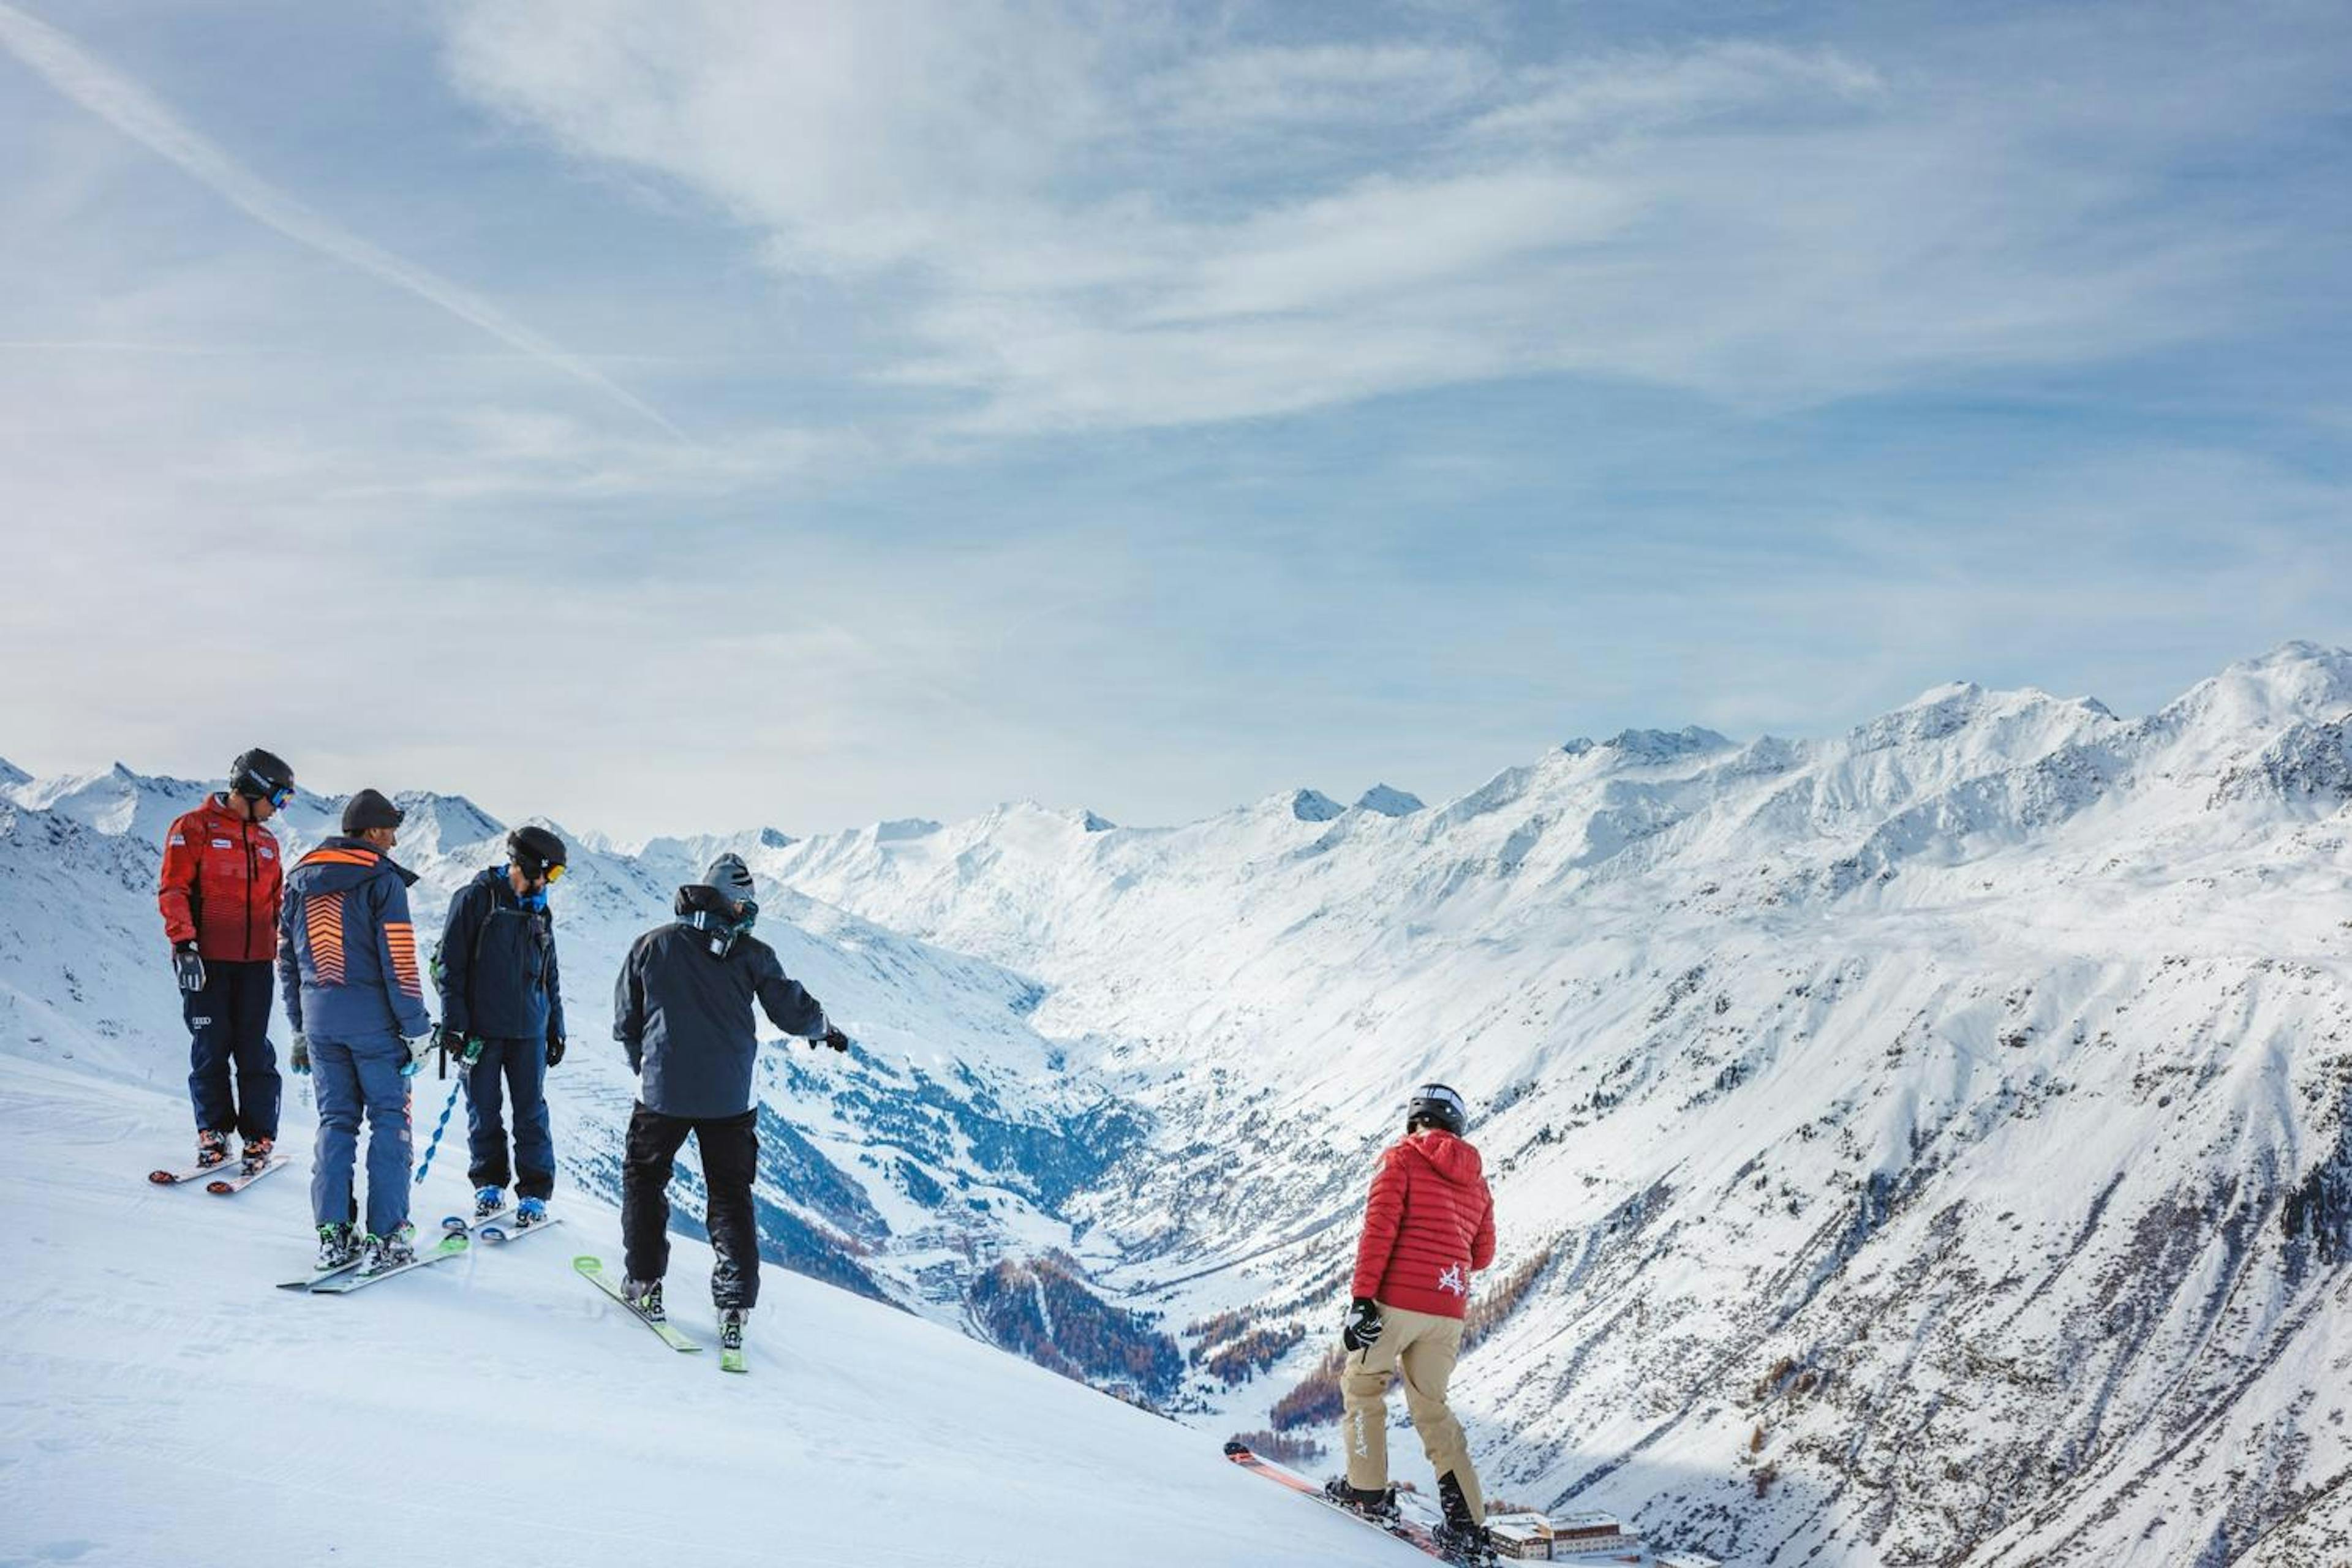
(439, 1128)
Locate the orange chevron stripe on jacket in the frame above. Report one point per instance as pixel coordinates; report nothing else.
(341, 858)
(322, 918)
(400, 938)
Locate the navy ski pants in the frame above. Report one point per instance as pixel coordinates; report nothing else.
(229, 1023)
(520, 1069)
(361, 1078)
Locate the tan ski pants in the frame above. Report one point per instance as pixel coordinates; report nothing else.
(1420, 1348)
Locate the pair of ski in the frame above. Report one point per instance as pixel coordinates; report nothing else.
(593, 1270)
(457, 1238)
(352, 1276)
(1413, 1531)
(227, 1176)
(494, 1228)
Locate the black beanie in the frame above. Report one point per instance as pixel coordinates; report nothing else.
(368, 808)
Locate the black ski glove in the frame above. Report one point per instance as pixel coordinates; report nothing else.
(554, 1049)
(1362, 1325)
(189, 966)
(833, 1037)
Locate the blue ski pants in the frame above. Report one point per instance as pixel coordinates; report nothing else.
(229, 1022)
(519, 1069)
(361, 1078)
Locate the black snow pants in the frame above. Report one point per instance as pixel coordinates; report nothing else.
(730, 1156)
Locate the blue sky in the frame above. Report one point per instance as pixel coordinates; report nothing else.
(674, 416)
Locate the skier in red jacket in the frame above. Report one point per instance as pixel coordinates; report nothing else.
(219, 892)
(1429, 1223)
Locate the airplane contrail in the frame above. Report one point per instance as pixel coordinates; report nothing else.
(132, 109)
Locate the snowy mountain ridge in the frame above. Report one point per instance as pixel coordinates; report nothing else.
(1931, 1144)
(1925, 1146)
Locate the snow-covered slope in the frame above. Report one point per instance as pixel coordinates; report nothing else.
(1930, 1144)
(944, 1146)
(159, 1402)
(1925, 1145)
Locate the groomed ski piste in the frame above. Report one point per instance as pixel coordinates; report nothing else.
(161, 1403)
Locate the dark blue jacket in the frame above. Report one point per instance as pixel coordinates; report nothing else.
(498, 965)
(682, 1011)
(346, 948)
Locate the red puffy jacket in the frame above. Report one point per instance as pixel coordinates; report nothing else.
(1429, 1223)
(221, 884)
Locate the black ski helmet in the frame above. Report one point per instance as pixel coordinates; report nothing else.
(534, 850)
(1439, 1106)
(258, 774)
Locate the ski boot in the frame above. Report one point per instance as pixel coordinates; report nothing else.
(530, 1212)
(1468, 1545)
(338, 1246)
(731, 1327)
(1380, 1507)
(488, 1201)
(212, 1148)
(256, 1153)
(645, 1295)
(391, 1251)
(1460, 1535)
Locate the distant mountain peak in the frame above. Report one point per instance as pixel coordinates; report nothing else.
(1094, 821)
(1650, 745)
(1313, 806)
(436, 823)
(1388, 802)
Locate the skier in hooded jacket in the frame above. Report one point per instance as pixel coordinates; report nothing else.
(502, 1016)
(682, 1011)
(1428, 1225)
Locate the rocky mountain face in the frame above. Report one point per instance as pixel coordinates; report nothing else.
(1927, 1145)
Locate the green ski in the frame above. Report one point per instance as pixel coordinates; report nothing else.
(593, 1270)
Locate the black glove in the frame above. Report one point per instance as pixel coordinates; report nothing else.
(301, 1053)
(554, 1049)
(1362, 1326)
(189, 966)
(466, 1049)
(833, 1037)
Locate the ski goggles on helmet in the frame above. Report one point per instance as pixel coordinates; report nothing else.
(555, 873)
(280, 798)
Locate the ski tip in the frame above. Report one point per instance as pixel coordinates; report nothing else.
(492, 1234)
(1238, 1451)
(452, 1223)
(587, 1265)
(163, 1178)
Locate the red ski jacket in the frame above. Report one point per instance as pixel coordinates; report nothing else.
(221, 884)
(1429, 1223)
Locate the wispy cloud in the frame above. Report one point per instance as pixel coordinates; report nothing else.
(138, 113)
(1099, 216)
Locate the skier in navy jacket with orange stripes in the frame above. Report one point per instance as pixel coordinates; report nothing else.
(347, 962)
(1428, 1224)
